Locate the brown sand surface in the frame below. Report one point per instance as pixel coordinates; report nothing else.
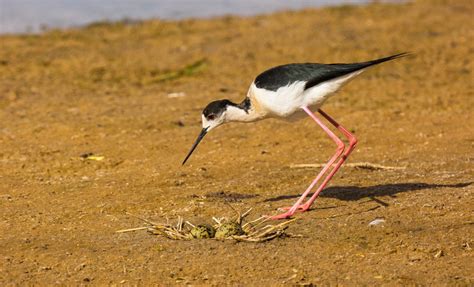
(108, 89)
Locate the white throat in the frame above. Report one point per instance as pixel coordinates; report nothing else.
(237, 114)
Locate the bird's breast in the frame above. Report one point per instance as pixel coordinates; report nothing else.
(280, 103)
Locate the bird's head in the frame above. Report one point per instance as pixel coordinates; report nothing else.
(213, 115)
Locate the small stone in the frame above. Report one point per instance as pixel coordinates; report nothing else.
(439, 254)
(86, 155)
(467, 246)
(179, 182)
(176, 95)
(80, 267)
(179, 123)
(377, 221)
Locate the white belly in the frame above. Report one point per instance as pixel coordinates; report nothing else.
(288, 101)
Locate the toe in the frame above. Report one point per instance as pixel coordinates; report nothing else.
(301, 207)
(281, 216)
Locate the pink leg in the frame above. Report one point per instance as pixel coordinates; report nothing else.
(352, 142)
(339, 151)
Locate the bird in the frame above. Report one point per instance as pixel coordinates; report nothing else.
(290, 92)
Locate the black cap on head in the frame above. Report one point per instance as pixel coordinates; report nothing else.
(216, 108)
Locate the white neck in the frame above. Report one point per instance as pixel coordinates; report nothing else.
(237, 114)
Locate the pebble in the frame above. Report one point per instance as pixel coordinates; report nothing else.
(377, 221)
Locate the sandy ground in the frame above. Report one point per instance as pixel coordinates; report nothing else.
(106, 89)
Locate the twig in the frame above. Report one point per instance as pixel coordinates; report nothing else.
(253, 221)
(247, 212)
(179, 226)
(132, 229)
(181, 231)
(272, 228)
(255, 239)
(361, 165)
(263, 221)
(218, 221)
(244, 215)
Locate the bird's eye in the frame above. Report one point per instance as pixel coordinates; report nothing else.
(211, 117)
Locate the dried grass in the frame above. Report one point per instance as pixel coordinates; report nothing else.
(257, 230)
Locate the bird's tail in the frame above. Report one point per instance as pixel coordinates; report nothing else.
(364, 65)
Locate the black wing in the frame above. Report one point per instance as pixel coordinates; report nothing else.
(311, 73)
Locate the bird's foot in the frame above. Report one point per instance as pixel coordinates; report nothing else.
(289, 212)
(301, 208)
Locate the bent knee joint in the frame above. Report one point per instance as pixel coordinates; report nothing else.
(353, 141)
(340, 147)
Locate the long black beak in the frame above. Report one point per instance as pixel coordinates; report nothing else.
(198, 140)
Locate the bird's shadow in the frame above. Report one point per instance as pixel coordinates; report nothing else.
(352, 193)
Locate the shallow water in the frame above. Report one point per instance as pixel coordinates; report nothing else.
(20, 16)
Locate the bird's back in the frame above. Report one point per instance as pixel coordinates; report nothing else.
(284, 90)
(311, 73)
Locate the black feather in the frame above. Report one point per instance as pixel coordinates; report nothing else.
(216, 107)
(311, 73)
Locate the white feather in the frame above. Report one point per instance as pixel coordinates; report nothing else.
(290, 99)
(282, 102)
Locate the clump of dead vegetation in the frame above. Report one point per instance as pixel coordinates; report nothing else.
(224, 228)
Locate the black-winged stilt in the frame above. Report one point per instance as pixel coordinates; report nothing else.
(286, 92)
